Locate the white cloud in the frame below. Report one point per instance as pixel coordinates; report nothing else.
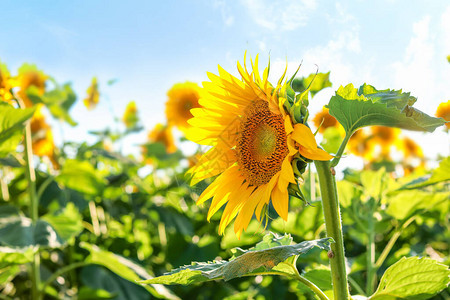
(227, 18)
(281, 15)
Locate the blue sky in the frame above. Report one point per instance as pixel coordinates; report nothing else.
(150, 45)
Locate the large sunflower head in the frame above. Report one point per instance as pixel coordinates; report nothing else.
(29, 76)
(443, 111)
(182, 97)
(254, 141)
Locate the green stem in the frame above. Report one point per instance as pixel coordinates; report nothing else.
(333, 226)
(341, 149)
(355, 284)
(309, 284)
(392, 241)
(59, 273)
(31, 177)
(371, 269)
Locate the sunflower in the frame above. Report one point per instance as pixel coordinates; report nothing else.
(182, 97)
(443, 111)
(130, 117)
(385, 137)
(5, 83)
(322, 120)
(93, 95)
(410, 148)
(253, 143)
(42, 137)
(162, 134)
(361, 144)
(30, 76)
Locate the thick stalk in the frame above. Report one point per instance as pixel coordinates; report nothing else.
(333, 226)
(31, 176)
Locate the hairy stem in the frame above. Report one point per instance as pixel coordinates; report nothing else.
(333, 226)
(341, 149)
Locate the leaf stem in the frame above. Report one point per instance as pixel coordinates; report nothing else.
(341, 149)
(31, 177)
(59, 272)
(333, 226)
(309, 284)
(356, 285)
(392, 241)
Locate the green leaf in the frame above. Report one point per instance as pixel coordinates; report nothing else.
(332, 139)
(412, 278)
(11, 125)
(59, 101)
(67, 224)
(81, 176)
(124, 268)
(374, 183)
(87, 293)
(367, 106)
(10, 260)
(320, 277)
(407, 202)
(318, 82)
(265, 256)
(438, 175)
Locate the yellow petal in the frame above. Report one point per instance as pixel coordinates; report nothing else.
(303, 135)
(314, 154)
(280, 201)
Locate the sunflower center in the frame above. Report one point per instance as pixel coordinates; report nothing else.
(261, 143)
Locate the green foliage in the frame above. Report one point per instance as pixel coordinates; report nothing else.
(265, 256)
(412, 278)
(11, 126)
(317, 82)
(368, 106)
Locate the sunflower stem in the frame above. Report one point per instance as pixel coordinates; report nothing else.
(309, 284)
(333, 226)
(31, 177)
(341, 149)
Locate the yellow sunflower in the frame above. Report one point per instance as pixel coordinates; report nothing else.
(42, 137)
(130, 117)
(385, 137)
(93, 95)
(322, 120)
(5, 83)
(253, 143)
(163, 134)
(410, 148)
(360, 144)
(30, 76)
(443, 111)
(182, 97)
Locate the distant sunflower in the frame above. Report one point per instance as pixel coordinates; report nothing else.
(360, 144)
(322, 120)
(29, 76)
(42, 137)
(182, 97)
(5, 83)
(253, 143)
(443, 111)
(130, 117)
(386, 137)
(93, 95)
(162, 134)
(410, 148)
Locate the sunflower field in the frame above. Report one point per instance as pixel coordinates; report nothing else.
(264, 207)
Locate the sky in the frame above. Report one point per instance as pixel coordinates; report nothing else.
(150, 45)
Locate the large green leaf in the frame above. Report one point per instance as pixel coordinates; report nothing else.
(11, 125)
(11, 259)
(406, 202)
(124, 268)
(368, 106)
(265, 256)
(412, 278)
(81, 176)
(67, 224)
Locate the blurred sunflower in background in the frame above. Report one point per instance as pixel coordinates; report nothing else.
(360, 144)
(93, 95)
(323, 120)
(42, 137)
(385, 137)
(253, 143)
(5, 83)
(443, 111)
(163, 134)
(30, 77)
(130, 117)
(182, 97)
